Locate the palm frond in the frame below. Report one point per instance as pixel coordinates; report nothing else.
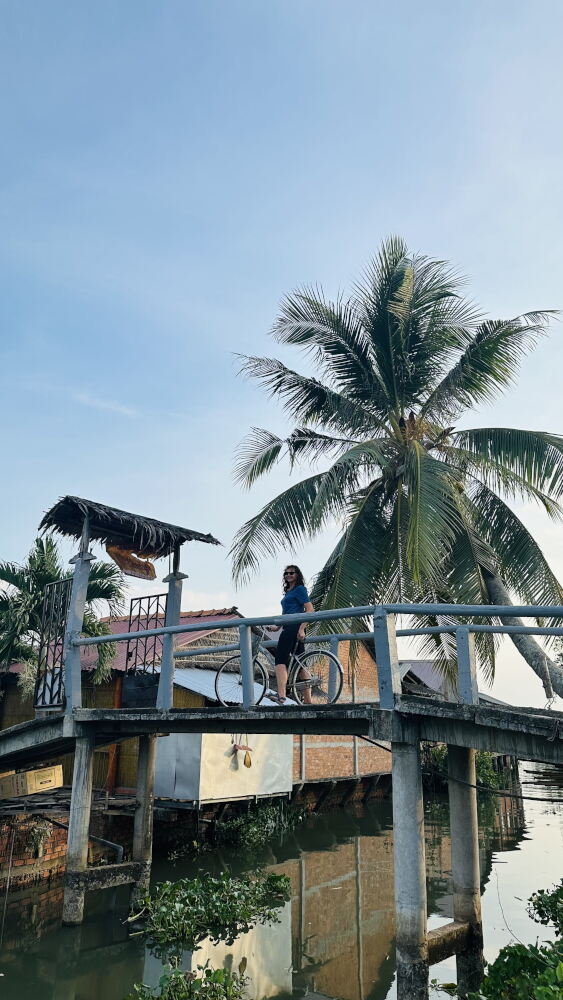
(433, 515)
(349, 472)
(106, 586)
(534, 456)
(308, 400)
(283, 521)
(499, 478)
(333, 333)
(257, 453)
(350, 575)
(488, 364)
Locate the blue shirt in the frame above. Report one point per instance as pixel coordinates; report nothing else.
(295, 600)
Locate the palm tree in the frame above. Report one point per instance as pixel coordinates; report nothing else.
(21, 604)
(422, 505)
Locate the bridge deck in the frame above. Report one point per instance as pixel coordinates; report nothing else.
(527, 733)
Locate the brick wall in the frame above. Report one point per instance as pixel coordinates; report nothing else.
(328, 757)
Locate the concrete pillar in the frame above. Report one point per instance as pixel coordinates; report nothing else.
(246, 666)
(165, 693)
(75, 618)
(464, 829)
(144, 812)
(386, 659)
(78, 827)
(410, 870)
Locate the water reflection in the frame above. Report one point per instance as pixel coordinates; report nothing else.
(335, 938)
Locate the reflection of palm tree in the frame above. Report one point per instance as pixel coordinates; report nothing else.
(21, 603)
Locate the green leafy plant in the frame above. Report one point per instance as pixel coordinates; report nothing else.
(183, 913)
(205, 984)
(546, 907)
(258, 825)
(435, 765)
(526, 972)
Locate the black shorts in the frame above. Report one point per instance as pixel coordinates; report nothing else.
(288, 644)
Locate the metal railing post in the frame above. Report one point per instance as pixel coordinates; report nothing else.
(332, 671)
(165, 694)
(247, 672)
(386, 660)
(466, 666)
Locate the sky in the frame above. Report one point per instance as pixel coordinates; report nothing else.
(169, 171)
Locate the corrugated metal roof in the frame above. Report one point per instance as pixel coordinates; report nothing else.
(202, 682)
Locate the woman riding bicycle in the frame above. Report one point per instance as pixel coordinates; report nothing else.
(295, 600)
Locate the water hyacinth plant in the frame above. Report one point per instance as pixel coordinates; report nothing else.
(182, 913)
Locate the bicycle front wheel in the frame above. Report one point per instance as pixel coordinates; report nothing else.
(228, 682)
(317, 678)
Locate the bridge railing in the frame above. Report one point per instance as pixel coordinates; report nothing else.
(384, 635)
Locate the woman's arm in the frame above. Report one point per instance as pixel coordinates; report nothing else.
(308, 607)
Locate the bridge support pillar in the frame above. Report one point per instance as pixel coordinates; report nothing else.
(144, 812)
(465, 864)
(78, 827)
(410, 870)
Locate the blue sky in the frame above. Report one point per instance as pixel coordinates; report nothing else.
(170, 170)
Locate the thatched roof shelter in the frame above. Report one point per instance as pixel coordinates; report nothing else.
(119, 527)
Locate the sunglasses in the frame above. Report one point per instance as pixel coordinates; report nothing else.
(291, 572)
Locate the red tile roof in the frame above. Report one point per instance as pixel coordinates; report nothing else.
(89, 655)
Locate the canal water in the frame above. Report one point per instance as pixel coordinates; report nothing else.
(335, 938)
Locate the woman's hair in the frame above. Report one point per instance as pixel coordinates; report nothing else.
(299, 581)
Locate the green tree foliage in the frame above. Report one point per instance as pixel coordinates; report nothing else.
(422, 504)
(21, 604)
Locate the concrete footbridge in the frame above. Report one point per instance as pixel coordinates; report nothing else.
(465, 723)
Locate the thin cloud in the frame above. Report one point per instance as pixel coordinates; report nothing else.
(85, 399)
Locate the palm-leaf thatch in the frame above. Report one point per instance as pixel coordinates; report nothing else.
(119, 527)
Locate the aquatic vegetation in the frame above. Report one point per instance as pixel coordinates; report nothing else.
(205, 984)
(182, 913)
(261, 822)
(526, 972)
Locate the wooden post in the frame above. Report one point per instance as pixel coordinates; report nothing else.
(113, 752)
(78, 827)
(144, 812)
(410, 868)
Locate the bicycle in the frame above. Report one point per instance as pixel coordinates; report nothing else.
(324, 681)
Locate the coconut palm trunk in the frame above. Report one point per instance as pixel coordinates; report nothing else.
(421, 510)
(547, 670)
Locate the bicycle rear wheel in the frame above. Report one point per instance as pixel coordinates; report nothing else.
(325, 682)
(228, 682)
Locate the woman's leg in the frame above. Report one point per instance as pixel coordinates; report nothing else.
(304, 675)
(281, 678)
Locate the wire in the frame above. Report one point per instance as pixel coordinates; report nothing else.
(504, 792)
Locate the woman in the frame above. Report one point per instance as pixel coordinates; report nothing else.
(295, 599)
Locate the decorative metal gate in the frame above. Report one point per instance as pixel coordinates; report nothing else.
(144, 653)
(49, 686)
